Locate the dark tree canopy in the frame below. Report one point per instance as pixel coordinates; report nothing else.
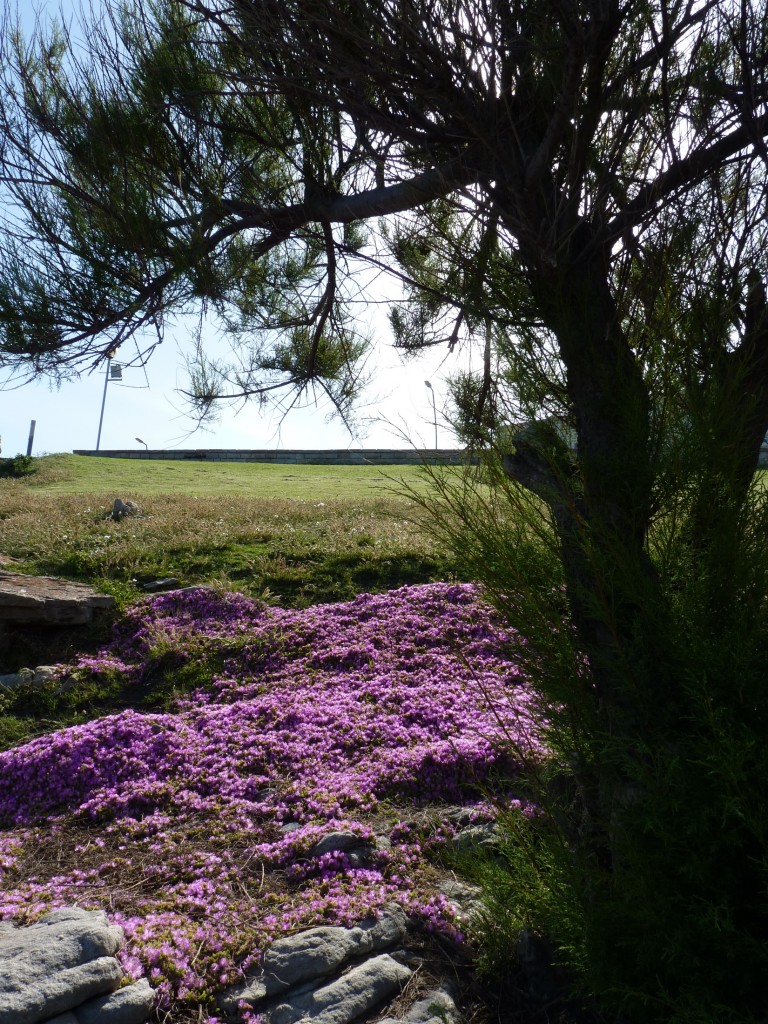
(227, 155)
(577, 186)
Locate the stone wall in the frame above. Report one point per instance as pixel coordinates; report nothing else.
(316, 457)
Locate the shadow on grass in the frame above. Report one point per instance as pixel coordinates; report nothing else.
(278, 578)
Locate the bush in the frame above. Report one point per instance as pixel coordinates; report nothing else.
(20, 465)
(646, 868)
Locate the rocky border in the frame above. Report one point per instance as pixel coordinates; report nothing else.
(63, 970)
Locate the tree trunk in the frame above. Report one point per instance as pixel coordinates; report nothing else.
(613, 589)
(602, 509)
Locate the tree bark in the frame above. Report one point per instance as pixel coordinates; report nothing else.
(611, 581)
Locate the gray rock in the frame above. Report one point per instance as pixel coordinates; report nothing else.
(312, 954)
(58, 944)
(47, 600)
(13, 680)
(465, 897)
(24, 1002)
(57, 963)
(252, 990)
(477, 837)
(458, 815)
(29, 676)
(71, 914)
(167, 583)
(121, 509)
(337, 842)
(129, 1005)
(357, 992)
(437, 1007)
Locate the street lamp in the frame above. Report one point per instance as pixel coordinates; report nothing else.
(434, 408)
(113, 373)
(142, 442)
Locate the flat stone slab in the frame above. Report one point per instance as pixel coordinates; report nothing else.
(46, 600)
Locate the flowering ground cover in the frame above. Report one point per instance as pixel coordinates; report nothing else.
(193, 829)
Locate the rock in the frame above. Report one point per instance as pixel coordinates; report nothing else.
(356, 993)
(25, 1002)
(477, 837)
(121, 509)
(63, 969)
(71, 914)
(466, 897)
(168, 583)
(358, 850)
(48, 601)
(338, 842)
(437, 1007)
(313, 954)
(29, 677)
(13, 680)
(129, 1005)
(51, 945)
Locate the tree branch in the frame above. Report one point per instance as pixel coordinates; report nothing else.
(375, 202)
(682, 173)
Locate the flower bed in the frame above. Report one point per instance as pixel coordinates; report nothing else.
(193, 829)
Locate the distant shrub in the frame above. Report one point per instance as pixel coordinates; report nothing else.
(20, 465)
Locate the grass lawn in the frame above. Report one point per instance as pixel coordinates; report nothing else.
(133, 478)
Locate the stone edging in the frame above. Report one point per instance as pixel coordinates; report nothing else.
(63, 970)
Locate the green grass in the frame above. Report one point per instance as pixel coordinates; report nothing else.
(135, 478)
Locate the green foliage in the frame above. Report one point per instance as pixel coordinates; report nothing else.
(647, 866)
(156, 152)
(18, 466)
(81, 696)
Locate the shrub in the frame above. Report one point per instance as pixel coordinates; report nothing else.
(18, 466)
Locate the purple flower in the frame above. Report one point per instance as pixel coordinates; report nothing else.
(318, 719)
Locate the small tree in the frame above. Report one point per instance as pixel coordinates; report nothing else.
(581, 184)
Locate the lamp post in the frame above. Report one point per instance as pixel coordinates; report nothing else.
(434, 408)
(142, 442)
(116, 373)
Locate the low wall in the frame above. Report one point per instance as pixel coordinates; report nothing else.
(317, 457)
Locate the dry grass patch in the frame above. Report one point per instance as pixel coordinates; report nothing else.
(294, 552)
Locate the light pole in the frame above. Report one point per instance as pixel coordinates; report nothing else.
(116, 372)
(142, 442)
(434, 408)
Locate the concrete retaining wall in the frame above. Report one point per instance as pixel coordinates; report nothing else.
(318, 457)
